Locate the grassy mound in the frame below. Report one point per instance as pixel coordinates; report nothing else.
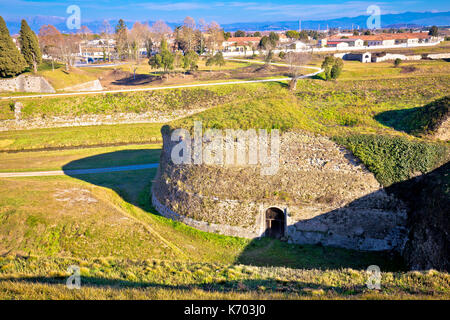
(263, 113)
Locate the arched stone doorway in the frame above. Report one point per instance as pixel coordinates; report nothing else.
(275, 223)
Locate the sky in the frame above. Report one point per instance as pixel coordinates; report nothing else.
(222, 11)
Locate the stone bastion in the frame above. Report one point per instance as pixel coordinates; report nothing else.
(320, 194)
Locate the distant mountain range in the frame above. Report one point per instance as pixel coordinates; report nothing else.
(406, 19)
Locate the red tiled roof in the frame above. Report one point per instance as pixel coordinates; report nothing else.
(243, 39)
(334, 42)
(389, 36)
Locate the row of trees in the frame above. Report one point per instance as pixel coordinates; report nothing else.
(13, 61)
(167, 60)
(190, 36)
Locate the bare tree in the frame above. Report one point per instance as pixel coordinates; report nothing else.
(137, 37)
(106, 31)
(62, 47)
(85, 34)
(188, 32)
(159, 30)
(295, 61)
(69, 47)
(215, 36)
(50, 40)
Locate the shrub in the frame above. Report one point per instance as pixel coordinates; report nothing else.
(190, 61)
(217, 59)
(282, 55)
(397, 62)
(332, 67)
(394, 159)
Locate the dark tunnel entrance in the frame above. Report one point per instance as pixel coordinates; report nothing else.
(275, 223)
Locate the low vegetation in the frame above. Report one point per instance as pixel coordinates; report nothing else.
(395, 159)
(77, 137)
(418, 121)
(82, 221)
(134, 102)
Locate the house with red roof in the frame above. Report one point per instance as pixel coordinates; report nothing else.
(240, 44)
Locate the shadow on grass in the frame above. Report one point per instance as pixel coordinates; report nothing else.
(417, 120)
(242, 286)
(127, 184)
(397, 119)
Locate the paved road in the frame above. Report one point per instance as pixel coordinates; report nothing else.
(78, 171)
(319, 70)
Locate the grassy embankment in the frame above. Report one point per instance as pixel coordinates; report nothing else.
(104, 223)
(126, 251)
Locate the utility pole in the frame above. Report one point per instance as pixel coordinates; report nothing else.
(299, 25)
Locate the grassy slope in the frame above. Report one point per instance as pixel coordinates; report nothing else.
(122, 246)
(80, 136)
(137, 102)
(86, 158)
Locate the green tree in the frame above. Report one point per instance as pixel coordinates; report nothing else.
(257, 34)
(336, 69)
(11, 61)
(292, 34)
(121, 39)
(163, 45)
(434, 31)
(190, 61)
(332, 67)
(164, 59)
(148, 46)
(303, 35)
(216, 59)
(264, 43)
(29, 46)
(274, 38)
(239, 34)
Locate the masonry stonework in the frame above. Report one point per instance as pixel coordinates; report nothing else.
(26, 83)
(327, 195)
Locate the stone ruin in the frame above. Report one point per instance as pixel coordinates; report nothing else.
(321, 194)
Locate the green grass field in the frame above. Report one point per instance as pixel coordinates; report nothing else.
(105, 223)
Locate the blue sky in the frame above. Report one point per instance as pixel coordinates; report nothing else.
(222, 11)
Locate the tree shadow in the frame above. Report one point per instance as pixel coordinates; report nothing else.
(222, 286)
